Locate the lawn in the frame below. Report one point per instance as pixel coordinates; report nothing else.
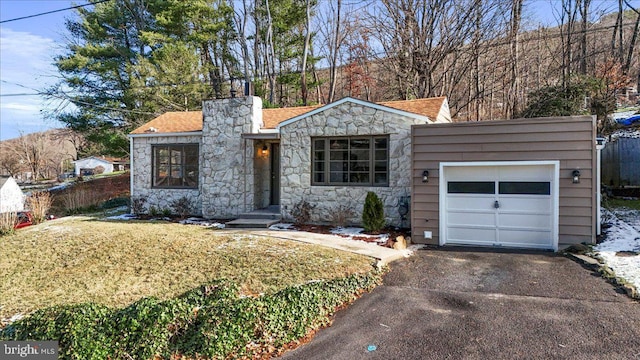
(614, 203)
(82, 259)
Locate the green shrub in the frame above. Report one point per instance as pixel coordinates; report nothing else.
(115, 202)
(212, 320)
(373, 213)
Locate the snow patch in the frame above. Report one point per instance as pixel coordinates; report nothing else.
(281, 227)
(202, 222)
(122, 217)
(347, 231)
(622, 237)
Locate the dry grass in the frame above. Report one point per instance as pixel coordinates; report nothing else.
(80, 259)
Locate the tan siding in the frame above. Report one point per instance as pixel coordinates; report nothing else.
(569, 140)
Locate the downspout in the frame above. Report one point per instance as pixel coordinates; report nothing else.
(600, 143)
(131, 172)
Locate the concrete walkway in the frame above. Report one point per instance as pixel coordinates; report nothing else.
(384, 255)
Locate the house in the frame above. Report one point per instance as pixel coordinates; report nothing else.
(87, 166)
(11, 196)
(234, 157)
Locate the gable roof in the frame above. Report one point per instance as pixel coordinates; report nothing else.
(173, 122)
(272, 117)
(106, 159)
(191, 121)
(430, 107)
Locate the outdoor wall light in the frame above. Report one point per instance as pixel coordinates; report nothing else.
(576, 176)
(265, 149)
(425, 176)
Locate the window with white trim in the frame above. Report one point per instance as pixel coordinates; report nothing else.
(175, 166)
(351, 161)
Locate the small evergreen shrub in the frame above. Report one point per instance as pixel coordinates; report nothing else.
(373, 213)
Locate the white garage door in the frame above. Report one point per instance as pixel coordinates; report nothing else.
(511, 205)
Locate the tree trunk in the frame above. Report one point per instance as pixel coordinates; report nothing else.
(305, 52)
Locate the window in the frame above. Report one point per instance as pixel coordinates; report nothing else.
(175, 166)
(350, 161)
(471, 187)
(524, 188)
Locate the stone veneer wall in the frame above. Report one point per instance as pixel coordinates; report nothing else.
(226, 171)
(142, 167)
(347, 119)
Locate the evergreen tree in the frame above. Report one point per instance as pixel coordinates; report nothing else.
(373, 213)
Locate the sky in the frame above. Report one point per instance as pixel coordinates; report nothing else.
(27, 49)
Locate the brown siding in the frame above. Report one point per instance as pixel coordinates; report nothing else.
(569, 140)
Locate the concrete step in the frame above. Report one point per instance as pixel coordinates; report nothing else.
(243, 223)
(260, 215)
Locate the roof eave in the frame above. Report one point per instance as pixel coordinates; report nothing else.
(165, 134)
(358, 102)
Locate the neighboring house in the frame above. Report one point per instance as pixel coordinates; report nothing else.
(11, 196)
(234, 156)
(496, 183)
(87, 166)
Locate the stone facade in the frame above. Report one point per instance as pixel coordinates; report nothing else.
(346, 119)
(227, 169)
(141, 169)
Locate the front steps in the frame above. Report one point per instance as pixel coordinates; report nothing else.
(257, 219)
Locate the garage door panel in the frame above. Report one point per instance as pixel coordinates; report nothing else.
(480, 202)
(475, 235)
(526, 238)
(535, 204)
(524, 221)
(458, 218)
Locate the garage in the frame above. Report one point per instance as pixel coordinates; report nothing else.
(521, 183)
(508, 204)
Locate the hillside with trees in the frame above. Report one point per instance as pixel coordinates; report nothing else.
(42, 155)
(127, 61)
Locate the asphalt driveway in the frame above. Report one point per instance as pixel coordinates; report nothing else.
(474, 304)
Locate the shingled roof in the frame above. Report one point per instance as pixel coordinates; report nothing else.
(191, 121)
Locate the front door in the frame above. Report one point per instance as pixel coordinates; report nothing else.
(275, 174)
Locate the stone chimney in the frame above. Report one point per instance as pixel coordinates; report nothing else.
(227, 158)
